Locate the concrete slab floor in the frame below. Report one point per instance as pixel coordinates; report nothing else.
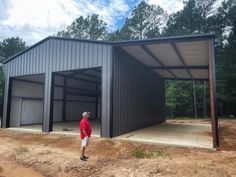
(171, 133)
(71, 127)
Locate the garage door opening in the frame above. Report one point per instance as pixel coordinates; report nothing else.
(77, 91)
(27, 100)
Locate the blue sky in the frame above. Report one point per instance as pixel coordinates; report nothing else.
(33, 20)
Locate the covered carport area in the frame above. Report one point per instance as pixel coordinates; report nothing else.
(178, 58)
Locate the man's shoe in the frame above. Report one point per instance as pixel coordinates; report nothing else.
(83, 159)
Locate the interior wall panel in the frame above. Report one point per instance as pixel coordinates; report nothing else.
(138, 95)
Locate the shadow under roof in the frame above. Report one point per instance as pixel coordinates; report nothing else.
(177, 58)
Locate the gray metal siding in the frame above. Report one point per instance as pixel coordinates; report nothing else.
(26, 103)
(55, 55)
(27, 90)
(31, 112)
(138, 95)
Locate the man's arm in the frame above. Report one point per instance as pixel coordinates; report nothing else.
(85, 133)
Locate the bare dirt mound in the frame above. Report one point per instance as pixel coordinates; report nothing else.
(228, 134)
(39, 154)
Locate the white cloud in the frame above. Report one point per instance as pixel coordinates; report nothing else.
(169, 5)
(34, 20)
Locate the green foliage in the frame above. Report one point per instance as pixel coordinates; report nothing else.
(179, 98)
(86, 28)
(11, 46)
(144, 22)
(191, 20)
(8, 48)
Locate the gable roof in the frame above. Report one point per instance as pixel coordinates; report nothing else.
(179, 57)
(120, 43)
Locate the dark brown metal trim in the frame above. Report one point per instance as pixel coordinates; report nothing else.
(181, 58)
(149, 52)
(213, 101)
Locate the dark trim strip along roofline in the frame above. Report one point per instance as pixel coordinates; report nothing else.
(184, 38)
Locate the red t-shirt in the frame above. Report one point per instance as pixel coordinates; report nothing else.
(85, 125)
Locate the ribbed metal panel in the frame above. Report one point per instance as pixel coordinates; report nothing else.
(59, 55)
(57, 111)
(27, 90)
(15, 112)
(31, 112)
(54, 55)
(74, 110)
(138, 95)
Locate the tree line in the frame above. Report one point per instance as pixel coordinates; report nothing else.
(183, 98)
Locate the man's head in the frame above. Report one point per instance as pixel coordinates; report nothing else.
(86, 114)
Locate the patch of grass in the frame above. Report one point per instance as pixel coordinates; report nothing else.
(148, 154)
(21, 150)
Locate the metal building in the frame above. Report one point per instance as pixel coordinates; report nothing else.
(120, 82)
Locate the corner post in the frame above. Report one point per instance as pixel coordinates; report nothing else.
(213, 99)
(48, 102)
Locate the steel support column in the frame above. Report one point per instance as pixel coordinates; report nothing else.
(64, 100)
(48, 102)
(213, 101)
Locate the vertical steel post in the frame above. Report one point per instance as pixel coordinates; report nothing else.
(64, 101)
(213, 101)
(9, 103)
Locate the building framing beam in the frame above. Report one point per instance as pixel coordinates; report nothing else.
(149, 52)
(84, 74)
(83, 94)
(9, 103)
(64, 100)
(181, 58)
(79, 79)
(213, 100)
(96, 107)
(51, 103)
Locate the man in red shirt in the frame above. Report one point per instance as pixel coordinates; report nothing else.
(85, 133)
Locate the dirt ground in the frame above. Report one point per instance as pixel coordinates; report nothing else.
(37, 154)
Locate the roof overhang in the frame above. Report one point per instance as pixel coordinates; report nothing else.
(174, 58)
(179, 57)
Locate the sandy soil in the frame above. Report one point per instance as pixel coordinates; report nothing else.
(38, 154)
